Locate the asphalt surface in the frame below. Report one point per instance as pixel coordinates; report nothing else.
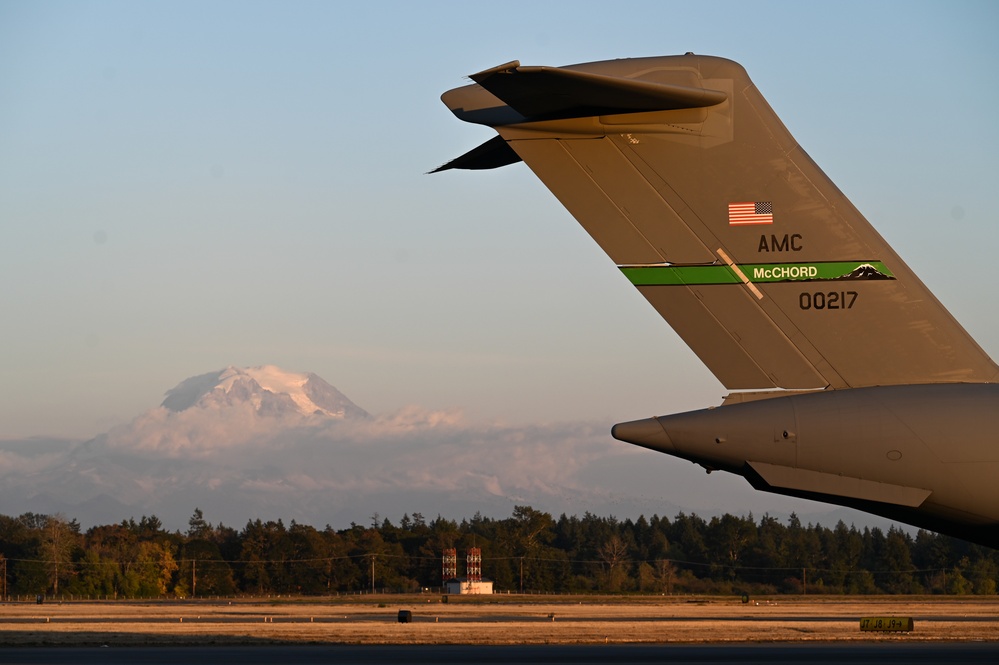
(859, 654)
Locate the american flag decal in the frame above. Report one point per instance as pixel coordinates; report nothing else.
(756, 212)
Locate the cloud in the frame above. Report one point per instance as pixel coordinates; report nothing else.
(411, 448)
(14, 463)
(197, 432)
(237, 465)
(236, 455)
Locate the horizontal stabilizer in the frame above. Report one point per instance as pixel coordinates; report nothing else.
(544, 93)
(492, 154)
(785, 477)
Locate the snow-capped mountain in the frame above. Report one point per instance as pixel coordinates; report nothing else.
(263, 442)
(269, 390)
(243, 443)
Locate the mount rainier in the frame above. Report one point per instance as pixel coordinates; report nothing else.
(264, 442)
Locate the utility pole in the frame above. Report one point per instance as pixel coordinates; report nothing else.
(804, 581)
(372, 573)
(194, 578)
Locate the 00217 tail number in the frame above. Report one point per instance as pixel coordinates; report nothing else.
(827, 299)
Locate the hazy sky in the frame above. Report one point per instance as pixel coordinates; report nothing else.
(189, 185)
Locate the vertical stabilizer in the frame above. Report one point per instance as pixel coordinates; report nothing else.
(682, 173)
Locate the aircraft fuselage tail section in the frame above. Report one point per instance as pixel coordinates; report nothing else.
(858, 387)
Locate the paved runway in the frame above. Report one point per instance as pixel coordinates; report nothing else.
(858, 654)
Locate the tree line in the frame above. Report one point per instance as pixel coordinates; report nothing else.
(530, 551)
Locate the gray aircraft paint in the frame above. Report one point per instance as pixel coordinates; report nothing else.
(855, 385)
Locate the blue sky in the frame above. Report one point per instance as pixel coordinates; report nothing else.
(188, 185)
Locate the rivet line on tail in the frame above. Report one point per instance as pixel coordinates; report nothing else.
(745, 280)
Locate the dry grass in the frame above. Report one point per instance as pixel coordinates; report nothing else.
(493, 620)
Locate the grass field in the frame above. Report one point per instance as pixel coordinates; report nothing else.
(493, 620)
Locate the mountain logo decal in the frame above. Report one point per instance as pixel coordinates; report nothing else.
(867, 271)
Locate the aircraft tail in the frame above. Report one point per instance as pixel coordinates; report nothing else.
(684, 175)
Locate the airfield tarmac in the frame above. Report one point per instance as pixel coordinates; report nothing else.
(495, 620)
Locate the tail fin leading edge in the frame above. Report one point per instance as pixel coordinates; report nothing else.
(682, 173)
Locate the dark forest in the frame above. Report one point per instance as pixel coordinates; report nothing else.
(530, 551)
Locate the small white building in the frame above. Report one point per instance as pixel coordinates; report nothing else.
(463, 585)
